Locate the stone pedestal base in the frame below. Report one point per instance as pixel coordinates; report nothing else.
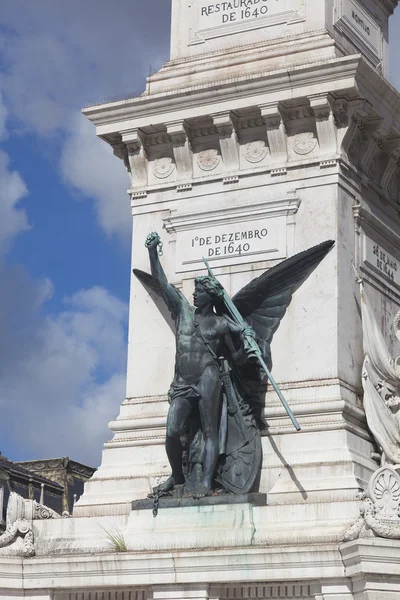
(206, 525)
(374, 568)
(255, 499)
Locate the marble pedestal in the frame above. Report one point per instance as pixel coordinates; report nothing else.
(279, 128)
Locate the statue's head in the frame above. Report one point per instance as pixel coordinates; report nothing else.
(207, 289)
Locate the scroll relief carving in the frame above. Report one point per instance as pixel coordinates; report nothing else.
(20, 515)
(374, 149)
(380, 507)
(393, 187)
(357, 145)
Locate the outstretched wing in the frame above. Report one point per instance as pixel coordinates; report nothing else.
(148, 281)
(264, 301)
(151, 286)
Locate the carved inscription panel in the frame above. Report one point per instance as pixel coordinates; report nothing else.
(381, 262)
(216, 18)
(230, 244)
(360, 27)
(232, 11)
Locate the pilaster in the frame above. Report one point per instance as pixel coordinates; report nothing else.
(228, 142)
(183, 154)
(325, 123)
(136, 156)
(276, 133)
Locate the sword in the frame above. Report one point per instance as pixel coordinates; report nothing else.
(237, 317)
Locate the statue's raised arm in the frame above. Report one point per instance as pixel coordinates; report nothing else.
(171, 296)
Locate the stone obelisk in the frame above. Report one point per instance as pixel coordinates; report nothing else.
(271, 128)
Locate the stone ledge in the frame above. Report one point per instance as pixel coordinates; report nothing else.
(217, 500)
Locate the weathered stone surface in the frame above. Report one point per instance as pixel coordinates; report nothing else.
(285, 126)
(216, 500)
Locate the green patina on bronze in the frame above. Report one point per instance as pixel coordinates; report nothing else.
(222, 368)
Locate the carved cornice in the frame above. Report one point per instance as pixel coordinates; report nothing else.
(58, 464)
(156, 139)
(388, 5)
(297, 112)
(249, 122)
(201, 130)
(236, 214)
(137, 110)
(268, 138)
(80, 469)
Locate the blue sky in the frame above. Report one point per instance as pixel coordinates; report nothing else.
(65, 220)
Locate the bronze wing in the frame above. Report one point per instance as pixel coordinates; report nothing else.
(263, 302)
(151, 286)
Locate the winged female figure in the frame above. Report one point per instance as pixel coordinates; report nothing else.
(218, 391)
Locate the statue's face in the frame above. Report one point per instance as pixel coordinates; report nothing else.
(200, 296)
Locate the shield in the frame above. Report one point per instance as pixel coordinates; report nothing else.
(241, 462)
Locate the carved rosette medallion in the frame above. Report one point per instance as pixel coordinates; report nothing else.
(163, 167)
(208, 159)
(256, 151)
(304, 143)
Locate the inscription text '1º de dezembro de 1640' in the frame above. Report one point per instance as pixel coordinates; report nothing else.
(222, 368)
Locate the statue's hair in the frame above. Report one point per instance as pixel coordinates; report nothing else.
(213, 288)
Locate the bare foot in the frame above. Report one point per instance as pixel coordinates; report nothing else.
(168, 485)
(201, 491)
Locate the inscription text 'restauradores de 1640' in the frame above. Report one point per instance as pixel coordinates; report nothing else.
(222, 367)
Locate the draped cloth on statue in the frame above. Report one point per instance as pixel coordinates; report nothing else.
(381, 383)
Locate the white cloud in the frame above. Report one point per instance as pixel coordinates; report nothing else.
(62, 376)
(66, 381)
(59, 56)
(90, 167)
(3, 119)
(13, 219)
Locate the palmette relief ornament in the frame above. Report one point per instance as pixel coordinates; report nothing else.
(163, 167)
(256, 151)
(208, 159)
(384, 491)
(304, 143)
(380, 507)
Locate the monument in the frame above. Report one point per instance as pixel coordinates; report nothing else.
(221, 371)
(271, 129)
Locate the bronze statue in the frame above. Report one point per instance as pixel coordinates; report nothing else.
(217, 395)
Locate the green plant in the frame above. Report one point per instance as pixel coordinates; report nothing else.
(115, 538)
